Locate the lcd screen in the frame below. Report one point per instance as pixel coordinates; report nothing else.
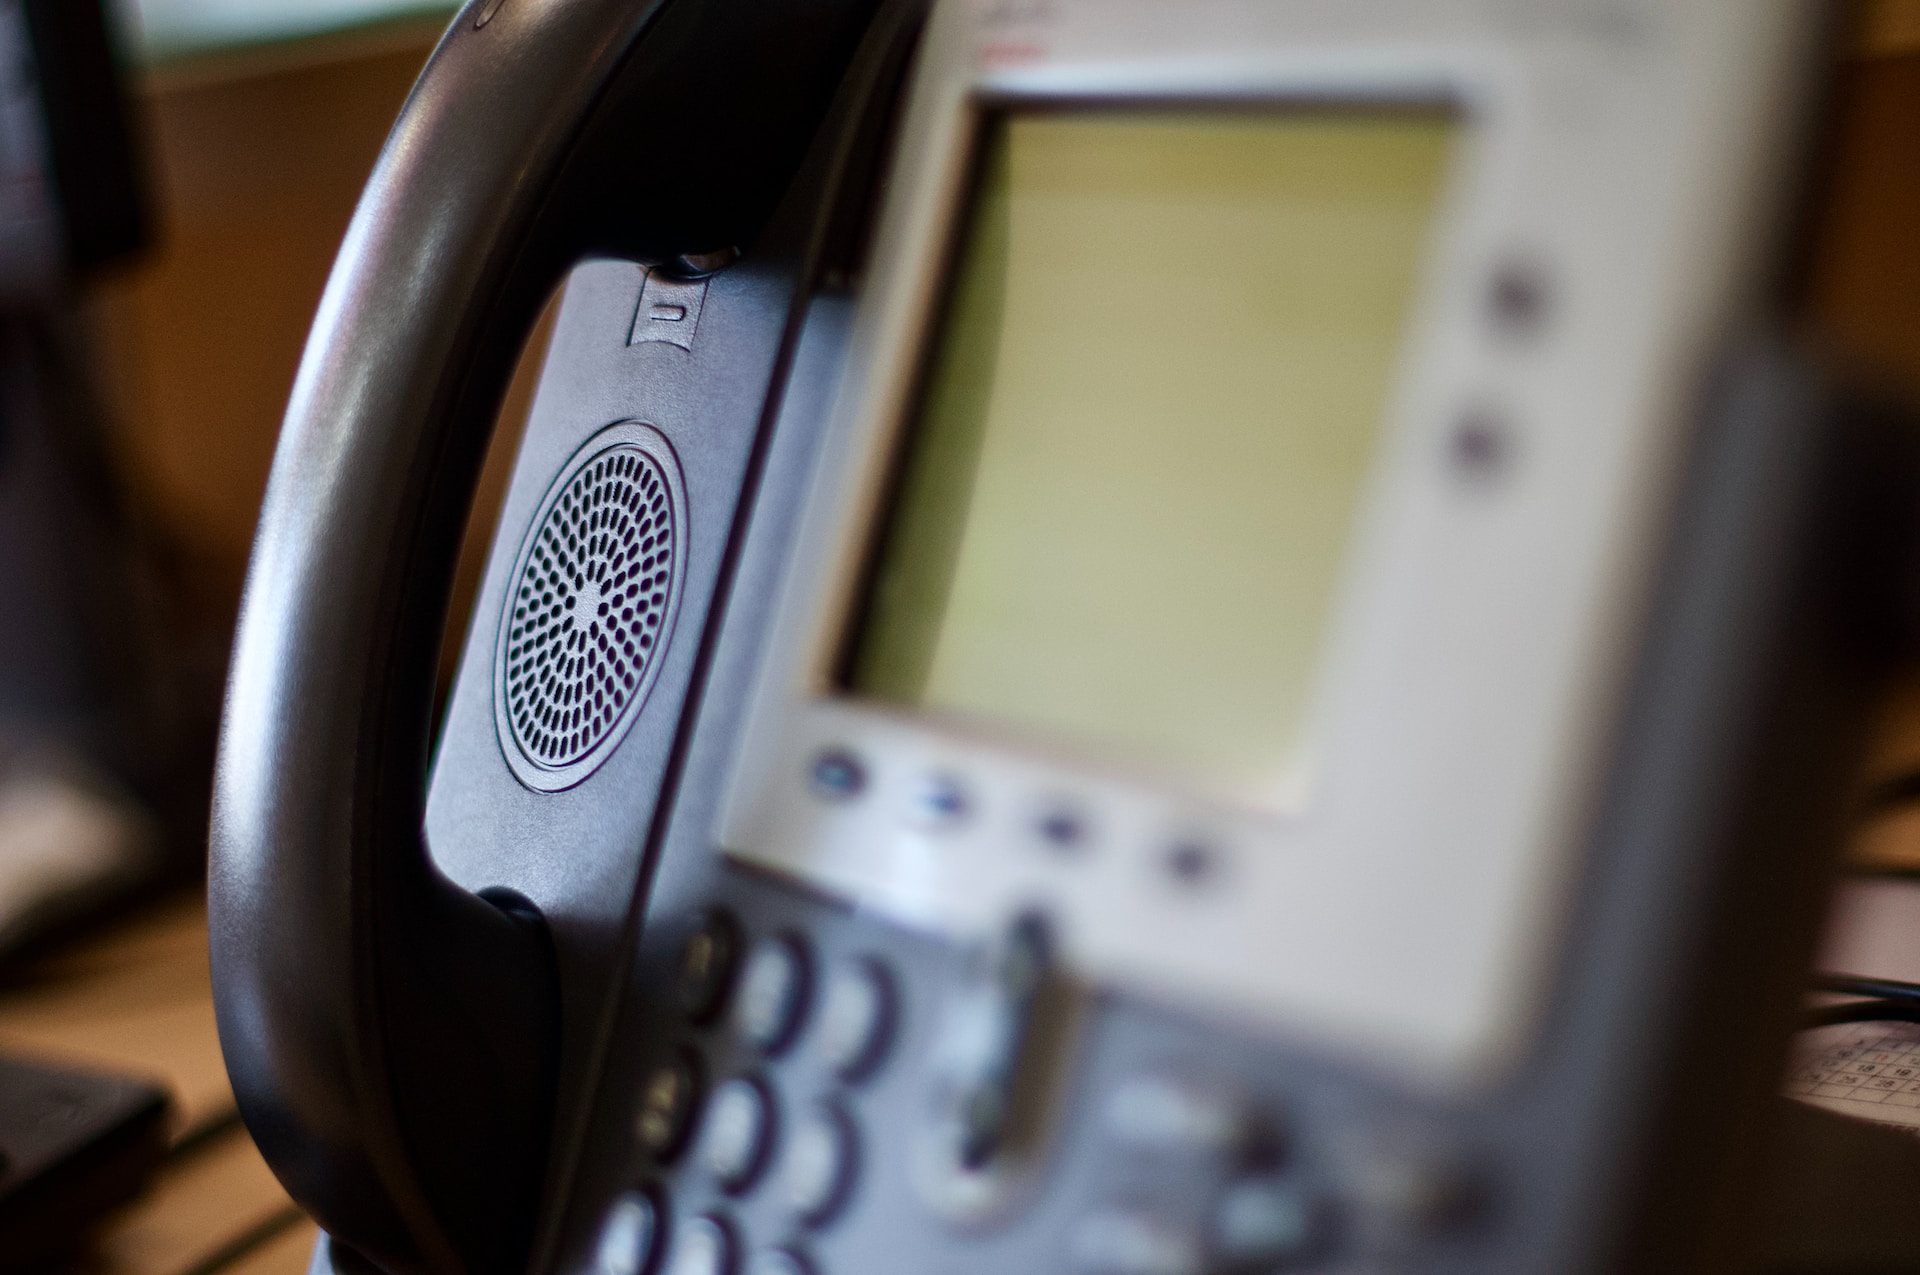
(1151, 407)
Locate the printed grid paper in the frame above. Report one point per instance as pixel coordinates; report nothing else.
(1870, 1071)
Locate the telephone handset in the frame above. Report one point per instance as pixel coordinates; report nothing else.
(394, 1035)
(996, 733)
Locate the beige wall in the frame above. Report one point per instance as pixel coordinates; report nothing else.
(258, 166)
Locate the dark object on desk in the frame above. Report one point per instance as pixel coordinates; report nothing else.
(97, 180)
(1841, 1195)
(84, 758)
(73, 1147)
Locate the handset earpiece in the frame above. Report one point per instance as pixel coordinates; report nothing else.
(391, 1036)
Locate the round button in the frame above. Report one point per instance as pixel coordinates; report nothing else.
(628, 1237)
(1268, 1222)
(736, 1133)
(773, 994)
(819, 1165)
(1062, 828)
(780, 1261)
(706, 967)
(856, 1018)
(1131, 1243)
(1171, 1114)
(704, 1247)
(940, 802)
(838, 775)
(666, 1107)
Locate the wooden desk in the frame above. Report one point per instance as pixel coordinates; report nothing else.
(137, 999)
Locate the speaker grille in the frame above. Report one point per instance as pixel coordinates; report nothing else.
(589, 607)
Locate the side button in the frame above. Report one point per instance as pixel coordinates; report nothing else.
(669, 311)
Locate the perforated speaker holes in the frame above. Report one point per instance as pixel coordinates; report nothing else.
(590, 607)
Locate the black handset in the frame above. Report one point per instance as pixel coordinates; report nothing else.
(393, 1036)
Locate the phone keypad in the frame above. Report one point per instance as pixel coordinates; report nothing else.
(800, 1069)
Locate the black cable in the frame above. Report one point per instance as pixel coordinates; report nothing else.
(1875, 1000)
(1886, 989)
(1873, 1011)
(1891, 793)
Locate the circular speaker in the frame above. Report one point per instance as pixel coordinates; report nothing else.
(589, 607)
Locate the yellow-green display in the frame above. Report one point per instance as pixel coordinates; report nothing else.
(1151, 411)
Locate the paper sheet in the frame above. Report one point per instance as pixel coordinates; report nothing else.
(1870, 1071)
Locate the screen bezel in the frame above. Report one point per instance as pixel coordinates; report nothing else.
(1637, 207)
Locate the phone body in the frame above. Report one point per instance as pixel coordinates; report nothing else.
(1171, 672)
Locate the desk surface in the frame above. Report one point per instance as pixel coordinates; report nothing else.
(136, 999)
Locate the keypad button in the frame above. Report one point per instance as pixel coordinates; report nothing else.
(780, 1261)
(773, 994)
(628, 1237)
(666, 1106)
(736, 1132)
(1269, 1223)
(1132, 1243)
(1169, 1114)
(818, 1167)
(707, 966)
(856, 1018)
(704, 1246)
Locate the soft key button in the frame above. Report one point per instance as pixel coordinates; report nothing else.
(773, 994)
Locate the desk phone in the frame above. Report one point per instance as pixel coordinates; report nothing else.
(1127, 639)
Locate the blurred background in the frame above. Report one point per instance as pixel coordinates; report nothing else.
(148, 341)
